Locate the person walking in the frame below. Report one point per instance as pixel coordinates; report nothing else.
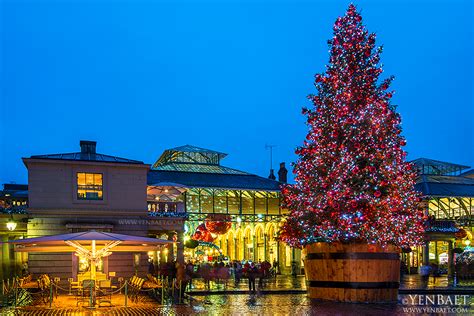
(252, 274)
(294, 269)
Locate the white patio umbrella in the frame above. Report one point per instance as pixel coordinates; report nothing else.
(92, 245)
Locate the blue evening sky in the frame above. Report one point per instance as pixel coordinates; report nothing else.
(143, 76)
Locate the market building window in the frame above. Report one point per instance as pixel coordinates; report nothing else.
(89, 186)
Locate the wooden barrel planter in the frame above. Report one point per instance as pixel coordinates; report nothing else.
(352, 272)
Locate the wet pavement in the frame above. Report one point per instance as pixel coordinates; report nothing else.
(283, 295)
(293, 304)
(289, 284)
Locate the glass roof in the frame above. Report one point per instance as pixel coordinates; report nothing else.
(436, 167)
(189, 158)
(194, 167)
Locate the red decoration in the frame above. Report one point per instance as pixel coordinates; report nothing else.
(352, 180)
(218, 223)
(460, 234)
(202, 234)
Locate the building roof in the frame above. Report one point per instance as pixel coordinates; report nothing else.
(468, 173)
(79, 156)
(213, 180)
(195, 149)
(431, 166)
(201, 168)
(445, 186)
(14, 190)
(189, 154)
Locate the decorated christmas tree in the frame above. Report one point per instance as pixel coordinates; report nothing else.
(352, 182)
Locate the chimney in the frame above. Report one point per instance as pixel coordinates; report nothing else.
(87, 147)
(282, 173)
(271, 176)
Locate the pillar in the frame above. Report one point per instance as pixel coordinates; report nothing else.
(265, 256)
(254, 243)
(278, 256)
(236, 254)
(180, 248)
(450, 260)
(170, 248)
(5, 257)
(426, 254)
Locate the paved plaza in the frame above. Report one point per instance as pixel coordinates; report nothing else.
(284, 295)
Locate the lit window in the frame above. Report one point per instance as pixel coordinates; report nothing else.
(89, 186)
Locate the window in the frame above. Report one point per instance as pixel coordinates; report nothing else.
(89, 186)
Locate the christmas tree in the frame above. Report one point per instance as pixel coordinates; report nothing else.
(352, 181)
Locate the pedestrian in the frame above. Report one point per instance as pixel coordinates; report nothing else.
(190, 273)
(294, 269)
(237, 272)
(252, 274)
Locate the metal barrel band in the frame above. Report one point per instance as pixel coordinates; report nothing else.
(353, 255)
(354, 285)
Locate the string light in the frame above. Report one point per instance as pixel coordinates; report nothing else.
(352, 180)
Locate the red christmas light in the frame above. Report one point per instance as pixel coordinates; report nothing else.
(352, 180)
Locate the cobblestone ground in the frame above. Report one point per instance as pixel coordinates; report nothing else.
(274, 304)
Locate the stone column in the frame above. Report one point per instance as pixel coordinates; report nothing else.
(265, 256)
(450, 260)
(170, 248)
(426, 254)
(5, 257)
(180, 248)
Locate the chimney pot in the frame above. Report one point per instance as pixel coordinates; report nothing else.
(87, 147)
(282, 173)
(272, 175)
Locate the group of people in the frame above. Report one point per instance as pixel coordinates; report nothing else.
(218, 272)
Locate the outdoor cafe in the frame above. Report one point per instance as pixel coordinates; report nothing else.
(91, 288)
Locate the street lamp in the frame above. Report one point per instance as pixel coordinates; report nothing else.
(11, 224)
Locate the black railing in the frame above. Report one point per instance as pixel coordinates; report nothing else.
(443, 226)
(166, 209)
(14, 210)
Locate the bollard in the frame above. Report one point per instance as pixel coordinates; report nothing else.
(50, 293)
(15, 289)
(162, 291)
(126, 292)
(172, 287)
(90, 297)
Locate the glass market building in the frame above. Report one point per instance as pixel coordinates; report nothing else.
(193, 179)
(448, 198)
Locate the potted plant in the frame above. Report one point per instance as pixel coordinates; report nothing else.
(353, 204)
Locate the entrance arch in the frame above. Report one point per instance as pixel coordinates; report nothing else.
(259, 243)
(248, 243)
(239, 245)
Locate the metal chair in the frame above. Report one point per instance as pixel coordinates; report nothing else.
(86, 293)
(104, 294)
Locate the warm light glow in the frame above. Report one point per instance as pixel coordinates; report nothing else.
(467, 242)
(186, 238)
(11, 225)
(239, 220)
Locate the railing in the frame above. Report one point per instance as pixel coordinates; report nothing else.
(446, 226)
(167, 209)
(14, 210)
